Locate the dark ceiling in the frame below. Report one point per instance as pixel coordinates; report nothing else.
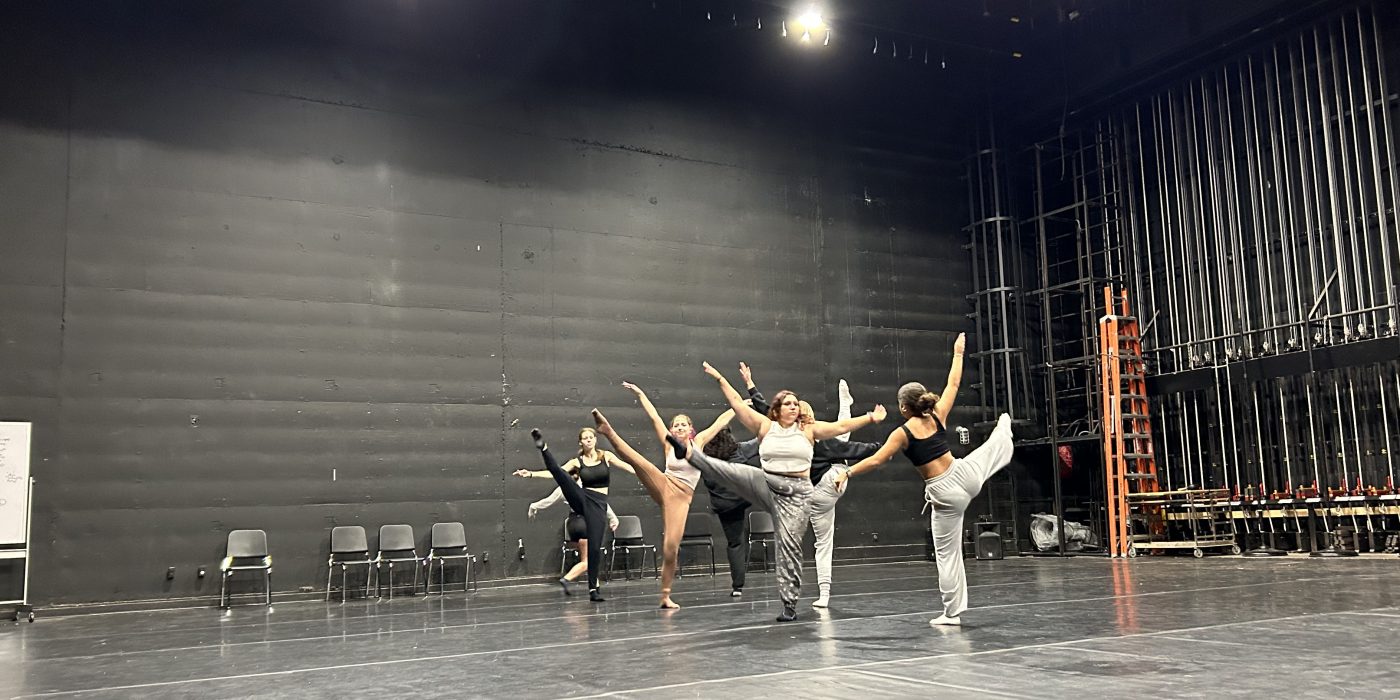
(892, 65)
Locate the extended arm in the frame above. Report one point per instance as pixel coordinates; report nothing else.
(753, 420)
(822, 430)
(656, 423)
(950, 392)
(569, 466)
(705, 436)
(759, 403)
(613, 460)
(893, 445)
(554, 497)
(839, 451)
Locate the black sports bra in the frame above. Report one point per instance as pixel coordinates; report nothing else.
(594, 476)
(924, 451)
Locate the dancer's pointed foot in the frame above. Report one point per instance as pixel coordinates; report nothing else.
(539, 439)
(677, 445)
(564, 583)
(945, 621)
(822, 602)
(668, 604)
(843, 394)
(603, 426)
(1004, 422)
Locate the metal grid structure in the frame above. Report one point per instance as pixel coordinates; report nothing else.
(1251, 212)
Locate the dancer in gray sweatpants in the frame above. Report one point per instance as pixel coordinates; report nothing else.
(949, 484)
(785, 450)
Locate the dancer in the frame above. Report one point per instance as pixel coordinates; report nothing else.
(671, 489)
(731, 509)
(949, 484)
(785, 449)
(588, 499)
(825, 454)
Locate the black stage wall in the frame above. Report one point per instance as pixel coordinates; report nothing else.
(278, 271)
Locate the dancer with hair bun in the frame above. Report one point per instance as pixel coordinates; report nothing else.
(949, 484)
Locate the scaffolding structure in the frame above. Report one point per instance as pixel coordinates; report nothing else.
(1250, 212)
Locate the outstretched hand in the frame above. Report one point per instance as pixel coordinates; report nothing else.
(879, 412)
(632, 388)
(960, 344)
(524, 473)
(711, 370)
(746, 374)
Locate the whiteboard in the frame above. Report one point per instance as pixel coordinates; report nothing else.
(14, 481)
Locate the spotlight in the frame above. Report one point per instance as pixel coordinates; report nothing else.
(807, 23)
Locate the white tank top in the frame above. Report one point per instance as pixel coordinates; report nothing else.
(785, 450)
(681, 469)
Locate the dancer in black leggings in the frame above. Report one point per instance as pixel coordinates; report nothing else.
(593, 506)
(731, 509)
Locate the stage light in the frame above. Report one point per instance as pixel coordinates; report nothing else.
(808, 22)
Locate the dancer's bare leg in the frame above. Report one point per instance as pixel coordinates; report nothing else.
(674, 504)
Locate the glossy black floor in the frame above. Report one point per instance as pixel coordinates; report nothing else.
(1174, 627)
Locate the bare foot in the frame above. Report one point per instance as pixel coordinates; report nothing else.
(604, 427)
(668, 604)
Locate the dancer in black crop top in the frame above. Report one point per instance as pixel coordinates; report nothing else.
(926, 450)
(588, 499)
(949, 484)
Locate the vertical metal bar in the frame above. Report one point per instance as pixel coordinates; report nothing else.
(1146, 231)
(1204, 291)
(1284, 201)
(1387, 448)
(1360, 229)
(1259, 213)
(1312, 431)
(1355, 433)
(1235, 314)
(1200, 438)
(1167, 228)
(1302, 117)
(1286, 437)
(1259, 440)
(1334, 206)
(1379, 209)
(1382, 211)
(1341, 435)
(1346, 121)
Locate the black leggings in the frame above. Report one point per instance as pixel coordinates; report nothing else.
(593, 506)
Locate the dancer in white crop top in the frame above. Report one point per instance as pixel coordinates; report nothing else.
(785, 450)
(671, 489)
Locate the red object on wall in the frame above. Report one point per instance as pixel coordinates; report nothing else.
(1066, 461)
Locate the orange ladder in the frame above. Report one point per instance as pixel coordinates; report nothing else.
(1129, 462)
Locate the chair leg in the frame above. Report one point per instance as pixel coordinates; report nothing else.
(712, 559)
(223, 589)
(267, 582)
(330, 571)
(344, 582)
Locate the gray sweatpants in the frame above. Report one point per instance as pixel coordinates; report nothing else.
(747, 481)
(786, 498)
(950, 493)
(791, 499)
(823, 514)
